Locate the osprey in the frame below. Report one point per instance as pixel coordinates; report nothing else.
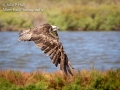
(46, 38)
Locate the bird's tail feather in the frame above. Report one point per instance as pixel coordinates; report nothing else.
(70, 65)
(25, 35)
(69, 70)
(65, 65)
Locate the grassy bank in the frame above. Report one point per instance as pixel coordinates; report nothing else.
(68, 15)
(39, 80)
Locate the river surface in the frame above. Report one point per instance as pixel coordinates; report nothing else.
(84, 50)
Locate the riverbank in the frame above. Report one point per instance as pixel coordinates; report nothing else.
(67, 15)
(40, 80)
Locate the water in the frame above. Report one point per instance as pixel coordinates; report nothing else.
(84, 49)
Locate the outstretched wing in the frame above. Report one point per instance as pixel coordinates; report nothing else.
(52, 47)
(49, 43)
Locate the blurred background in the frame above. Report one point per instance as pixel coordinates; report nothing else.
(85, 15)
(91, 36)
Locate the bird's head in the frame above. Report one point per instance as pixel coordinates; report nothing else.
(55, 28)
(51, 29)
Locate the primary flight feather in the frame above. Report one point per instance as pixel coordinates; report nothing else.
(46, 38)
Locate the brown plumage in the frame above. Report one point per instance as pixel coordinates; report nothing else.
(46, 38)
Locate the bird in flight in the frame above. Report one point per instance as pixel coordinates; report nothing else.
(46, 38)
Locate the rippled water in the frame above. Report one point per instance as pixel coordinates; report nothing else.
(84, 49)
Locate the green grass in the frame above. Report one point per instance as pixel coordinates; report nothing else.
(72, 15)
(39, 80)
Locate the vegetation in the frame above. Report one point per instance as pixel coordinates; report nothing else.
(39, 80)
(68, 15)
